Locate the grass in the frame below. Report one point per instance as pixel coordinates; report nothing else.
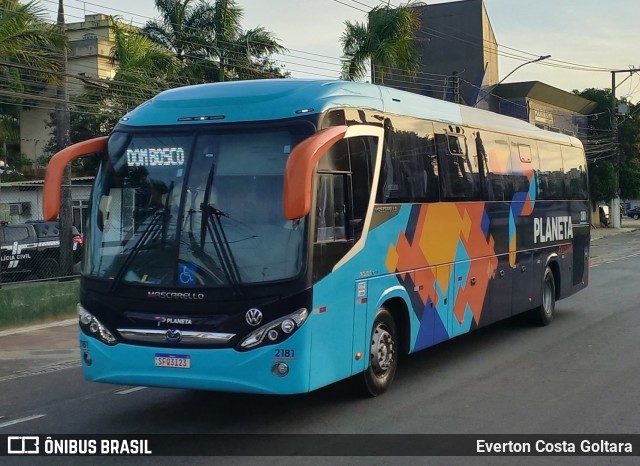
(34, 303)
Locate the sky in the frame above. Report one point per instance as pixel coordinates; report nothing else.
(586, 39)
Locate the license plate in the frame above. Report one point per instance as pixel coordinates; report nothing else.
(177, 361)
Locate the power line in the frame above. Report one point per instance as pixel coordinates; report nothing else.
(551, 63)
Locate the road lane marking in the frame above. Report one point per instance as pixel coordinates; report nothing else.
(611, 261)
(42, 370)
(130, 390)
(18, 421)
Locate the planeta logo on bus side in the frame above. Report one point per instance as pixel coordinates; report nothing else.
(546, 230)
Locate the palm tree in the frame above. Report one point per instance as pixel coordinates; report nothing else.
(144, 68)
(244, 54)
(184, 28)
(28, 41)
(387, 40)
(30, 50)
(208, 36)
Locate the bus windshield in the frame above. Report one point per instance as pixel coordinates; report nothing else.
(194, 210)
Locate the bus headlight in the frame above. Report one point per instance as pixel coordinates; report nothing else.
(277, 330)
(94, 327)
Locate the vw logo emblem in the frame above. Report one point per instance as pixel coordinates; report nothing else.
(173, 336)
(254, 317)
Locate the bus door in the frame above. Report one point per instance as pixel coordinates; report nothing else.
(500, 292)
(524, 280)
(329, 177)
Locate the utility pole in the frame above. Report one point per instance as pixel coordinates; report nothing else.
(615, 202)
(223, 58)
(63, 130)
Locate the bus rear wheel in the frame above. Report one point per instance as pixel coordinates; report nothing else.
(543, 314)
(383, 355)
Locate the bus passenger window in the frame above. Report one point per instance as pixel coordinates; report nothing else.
(494, 150)
(460, 176)
(362, 151)
(331, 208)
(575, 174)
(551, 171)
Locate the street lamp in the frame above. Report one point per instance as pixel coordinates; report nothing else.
(540, 58)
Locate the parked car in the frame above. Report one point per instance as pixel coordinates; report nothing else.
(33, 250)
(634, 213)
(604, 215)
(50, 231)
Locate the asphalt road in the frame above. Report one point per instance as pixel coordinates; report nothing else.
(579, 375)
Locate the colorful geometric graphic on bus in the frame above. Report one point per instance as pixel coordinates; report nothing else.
(523, 202)
(439, 234)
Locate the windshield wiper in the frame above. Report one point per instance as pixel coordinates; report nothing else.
(212, 224)
(156, 226)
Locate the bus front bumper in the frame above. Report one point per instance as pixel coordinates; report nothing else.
(256, 371)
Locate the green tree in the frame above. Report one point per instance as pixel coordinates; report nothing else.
(29, 60)
(85, 125)
(607, 152)
(144, 69)
(29, 41)
(209, 42)
(386, 41)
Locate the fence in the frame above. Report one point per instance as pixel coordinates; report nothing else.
(29, 247)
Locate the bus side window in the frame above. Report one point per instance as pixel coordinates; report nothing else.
(551, 171)
(331, 209)
(575, 174)
(496, 155)
(362, 153)
(430, 173)
(459, 171)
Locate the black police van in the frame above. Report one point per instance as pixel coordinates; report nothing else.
(32, 250)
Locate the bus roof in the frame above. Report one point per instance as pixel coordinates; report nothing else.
(274, 99)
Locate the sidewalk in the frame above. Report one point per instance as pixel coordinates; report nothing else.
(627, 227)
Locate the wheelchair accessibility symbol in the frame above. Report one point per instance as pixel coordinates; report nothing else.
(187, 274)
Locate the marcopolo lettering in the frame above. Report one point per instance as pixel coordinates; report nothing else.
(175, 295)
(552, 229)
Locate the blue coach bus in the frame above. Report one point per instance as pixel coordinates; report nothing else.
(277, 236)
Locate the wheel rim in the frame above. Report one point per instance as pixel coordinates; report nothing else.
(547, 297)
(382, 351)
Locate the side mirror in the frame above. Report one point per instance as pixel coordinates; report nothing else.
(55, 170)
(298, 173)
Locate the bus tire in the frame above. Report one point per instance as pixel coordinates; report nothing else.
(383, 355)
(543, 314)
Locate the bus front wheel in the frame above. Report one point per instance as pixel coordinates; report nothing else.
(383, 354)
(543, 314)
